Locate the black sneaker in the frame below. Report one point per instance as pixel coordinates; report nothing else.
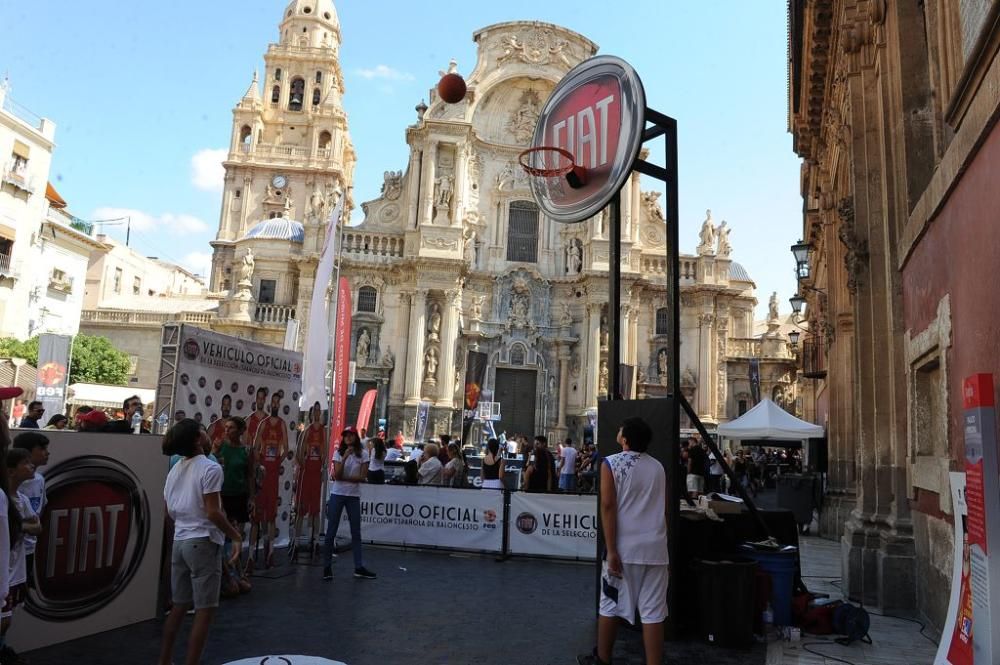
(327, 573)
(590, 659)
(364, 573)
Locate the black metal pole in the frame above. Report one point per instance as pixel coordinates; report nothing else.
(615, 297)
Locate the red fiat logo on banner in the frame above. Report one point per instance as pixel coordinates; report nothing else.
(96, 525)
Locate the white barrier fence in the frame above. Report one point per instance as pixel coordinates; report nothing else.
(561, 525)
(555, 525)
(430, 517)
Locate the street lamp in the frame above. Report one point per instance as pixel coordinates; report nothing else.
(800, 251)
(797, 301)
(793, 337)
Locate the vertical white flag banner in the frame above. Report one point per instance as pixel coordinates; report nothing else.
(317, 342)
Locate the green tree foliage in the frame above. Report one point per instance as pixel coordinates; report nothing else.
(94, 359)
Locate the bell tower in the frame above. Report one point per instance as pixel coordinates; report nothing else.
(290, 152)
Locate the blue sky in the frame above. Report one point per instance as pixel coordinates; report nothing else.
(143, 92)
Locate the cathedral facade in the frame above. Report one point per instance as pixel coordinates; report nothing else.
(454, 255)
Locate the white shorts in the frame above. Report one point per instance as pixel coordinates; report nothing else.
(695, 483)
(641, 588)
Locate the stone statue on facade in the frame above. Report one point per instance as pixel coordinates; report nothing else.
(574, 258)
(434, 323)
(519, 307)
(602, 386)
(661, 362)
(470, 247)
(707, 236)
(688, 378)
(772, 308)
(364, 345)
(392, 186)
(443, 186)
(725, 249)
(565, 318)
(316, 209)
(604, 330)
(430, 365)
(388, 358)
(523, 120)
(246, 269)
(477, 308)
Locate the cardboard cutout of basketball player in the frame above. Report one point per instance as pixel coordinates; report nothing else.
(270, 447)
(217, 430)
(258, 415)
(310, 457)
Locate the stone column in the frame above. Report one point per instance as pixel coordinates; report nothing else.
(705, 366)
(460, 191)
(449, 338)
(427, 184)
(627, 221)
(399, 383)
(415, 348)
(413, 194)
(593, 351)
(563, 386)
(636, 205)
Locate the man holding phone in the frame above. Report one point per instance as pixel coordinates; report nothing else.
(635, 572)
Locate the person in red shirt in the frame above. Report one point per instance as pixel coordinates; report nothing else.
(217, 430)
(311, 457)
(269, 448)
(259, 414)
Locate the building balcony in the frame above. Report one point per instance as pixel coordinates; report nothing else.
(131, 318)
(273, 314)
(292, 155)
(62, 285)
(813, 358)
(18, 181)
(375, 247)
(743, 347)
(62, 217)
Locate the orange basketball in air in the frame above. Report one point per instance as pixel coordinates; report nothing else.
(451, 88)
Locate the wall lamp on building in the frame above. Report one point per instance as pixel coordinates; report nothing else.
(797, 301)
(800, 251)
(793, 338)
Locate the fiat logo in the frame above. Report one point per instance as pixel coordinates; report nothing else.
(96, 526)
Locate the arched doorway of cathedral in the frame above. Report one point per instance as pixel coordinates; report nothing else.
(517, 376)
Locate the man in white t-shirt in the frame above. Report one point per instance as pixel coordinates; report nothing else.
(634, 579)
(567, 466)
(37, 445)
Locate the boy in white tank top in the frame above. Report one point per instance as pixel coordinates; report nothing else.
(633, 504)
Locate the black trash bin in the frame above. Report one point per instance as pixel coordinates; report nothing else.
(797, 493)
(726, 600)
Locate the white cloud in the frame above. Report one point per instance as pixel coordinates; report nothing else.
(200, 263)
(144, 221)
(207, 173)
(384, 72)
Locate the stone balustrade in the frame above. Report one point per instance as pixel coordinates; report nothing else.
(372, 246)
(274, 314)
(136, 318)
(743, 347)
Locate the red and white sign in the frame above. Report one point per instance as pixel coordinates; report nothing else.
(341, 365)
(596, 113)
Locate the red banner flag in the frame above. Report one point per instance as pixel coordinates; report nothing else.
(341, 365)
(365, 412)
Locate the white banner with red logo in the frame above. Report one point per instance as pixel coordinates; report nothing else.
(430, 517)
(53, 373)
(219, 375)
(97, 560)
(558, 525)
(341, 365)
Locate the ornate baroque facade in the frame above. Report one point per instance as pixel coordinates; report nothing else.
(454, 256)
(892, 110)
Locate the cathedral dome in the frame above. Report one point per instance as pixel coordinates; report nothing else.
(321, 10)
(277, 228)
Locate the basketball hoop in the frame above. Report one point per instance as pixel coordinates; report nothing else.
(535, 163)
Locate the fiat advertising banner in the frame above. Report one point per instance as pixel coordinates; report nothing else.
(557, 525)
(219, 376)
(97, 561)
(430, 517)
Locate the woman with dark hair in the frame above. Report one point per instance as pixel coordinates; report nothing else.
(493, 466)
(192, 494)
(350, 467)
(237, 488)
(58, 421)
(10, 532)
(376, 468)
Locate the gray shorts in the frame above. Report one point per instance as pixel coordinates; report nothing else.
(196, 572)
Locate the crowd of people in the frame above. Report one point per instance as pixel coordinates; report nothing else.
(754, 468)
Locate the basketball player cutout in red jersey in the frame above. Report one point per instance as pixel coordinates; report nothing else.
(311, 457)
(258, 415)
(270, 446)
(217, 430)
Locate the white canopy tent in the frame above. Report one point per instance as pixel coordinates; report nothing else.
(106, 397)
(769, 422)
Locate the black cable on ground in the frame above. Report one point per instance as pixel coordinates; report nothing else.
(916, 621)
(806, 645)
